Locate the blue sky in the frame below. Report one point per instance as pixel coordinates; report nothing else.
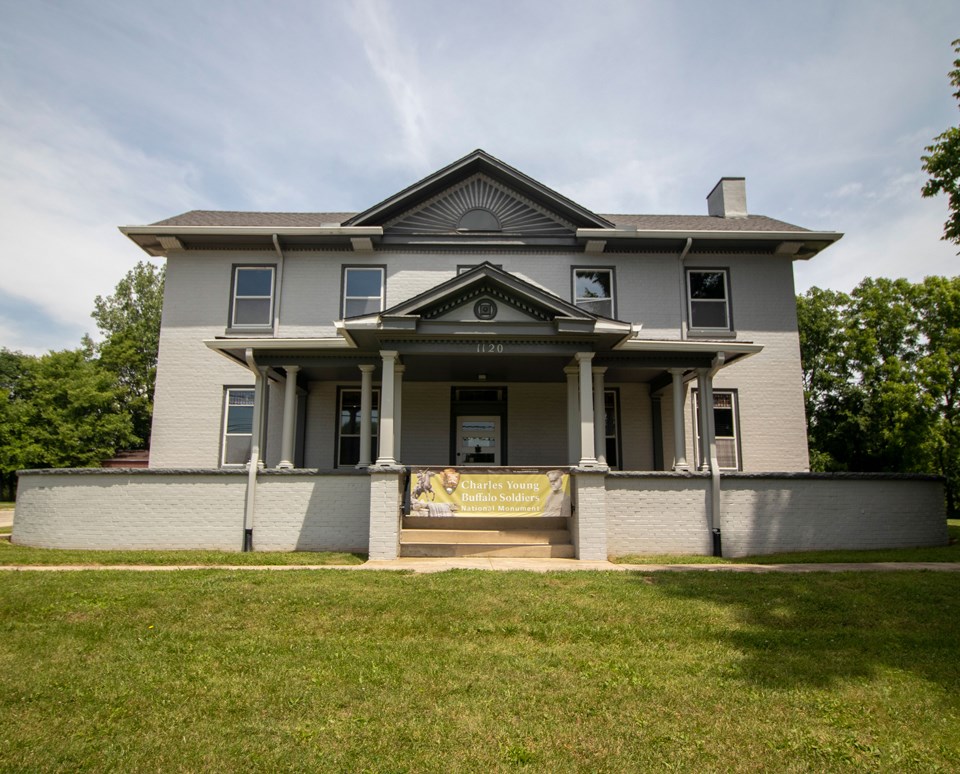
(118, 112)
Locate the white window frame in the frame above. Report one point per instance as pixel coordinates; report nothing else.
(730, 442)
(226, 427)
(383, 288)
(727, 308)
(235, 295)
(613, 287)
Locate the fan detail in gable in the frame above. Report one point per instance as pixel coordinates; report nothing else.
(480, 205)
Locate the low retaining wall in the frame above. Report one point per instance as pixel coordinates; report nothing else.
(305, 510)
(765, 513)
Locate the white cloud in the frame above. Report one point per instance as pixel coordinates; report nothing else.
(64, 188)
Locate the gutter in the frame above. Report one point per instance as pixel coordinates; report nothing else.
(715, 366)
(279, 288)
(683, 288)
(253, 466)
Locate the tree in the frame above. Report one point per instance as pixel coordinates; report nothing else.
(942, 163)
(882, 378)
(64, 411)
(129, 321)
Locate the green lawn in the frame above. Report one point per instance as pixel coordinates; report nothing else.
(6, 505)
(213, 670)
(12, 554)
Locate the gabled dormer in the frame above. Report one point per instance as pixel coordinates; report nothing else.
(478, 199)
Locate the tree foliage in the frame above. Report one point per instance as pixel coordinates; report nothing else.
(75, 408)
(129, 321)
(882, 377)
(942, 163)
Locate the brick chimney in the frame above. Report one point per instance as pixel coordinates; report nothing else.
(728, 199)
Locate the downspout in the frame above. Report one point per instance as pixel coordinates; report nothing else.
(253, 466)
(279, 289)
(715, 366)
(683, 288)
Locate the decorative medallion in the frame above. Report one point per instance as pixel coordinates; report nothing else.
(485, 309)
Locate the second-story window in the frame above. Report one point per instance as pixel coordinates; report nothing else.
(252, 302)
(709, 299)
(593, 290)
(362, 290)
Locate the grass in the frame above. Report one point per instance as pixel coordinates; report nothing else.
(949, 553)
(214, 670)
(21, 555)
(6, 505)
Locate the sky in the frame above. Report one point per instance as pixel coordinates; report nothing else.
(125, 112)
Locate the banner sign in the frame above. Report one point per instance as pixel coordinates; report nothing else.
(489, 492)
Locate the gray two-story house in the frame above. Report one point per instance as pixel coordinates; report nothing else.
(479, 319)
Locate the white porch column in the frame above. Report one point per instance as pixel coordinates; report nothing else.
(366, 409)
(387, 393)
(703, 418)
(289, 417)
(573, 415)
(588, 458)
(679, 434)
(599, 416)
(397, 409)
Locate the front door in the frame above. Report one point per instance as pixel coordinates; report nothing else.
(478, 440)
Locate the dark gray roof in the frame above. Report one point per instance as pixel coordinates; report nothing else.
(701, 223)
(316, 219)
(230, 218)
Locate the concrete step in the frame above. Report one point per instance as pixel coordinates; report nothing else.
(498, 523)
(526, 536)
(562, 551)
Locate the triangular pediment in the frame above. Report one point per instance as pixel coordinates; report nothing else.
(490, 294)
(480, 183)
(480, 204)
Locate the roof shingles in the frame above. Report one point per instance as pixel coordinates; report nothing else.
(226, 218)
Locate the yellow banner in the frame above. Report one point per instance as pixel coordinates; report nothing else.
(489, 492)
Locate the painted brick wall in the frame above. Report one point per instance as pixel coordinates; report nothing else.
(588, 526)
(652, 514)
(770, 513)
(189, 397)
(191, 510)
(306, 512)
(135, 511)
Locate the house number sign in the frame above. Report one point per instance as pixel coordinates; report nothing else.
(487, 347)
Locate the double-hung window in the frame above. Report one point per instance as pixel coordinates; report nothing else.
(252, 303)
(237, 426)
(362, 290)
(708, 295)
(349, 424)
(725, 426)
(593, 290)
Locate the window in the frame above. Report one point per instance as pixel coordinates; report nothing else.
(348, 426)
(709, 300)
(593, 290)
(237, 426)
(611, 405)
(252, 303)
(362, 290)
(725, 423)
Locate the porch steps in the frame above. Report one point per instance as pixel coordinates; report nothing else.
(538, 538)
